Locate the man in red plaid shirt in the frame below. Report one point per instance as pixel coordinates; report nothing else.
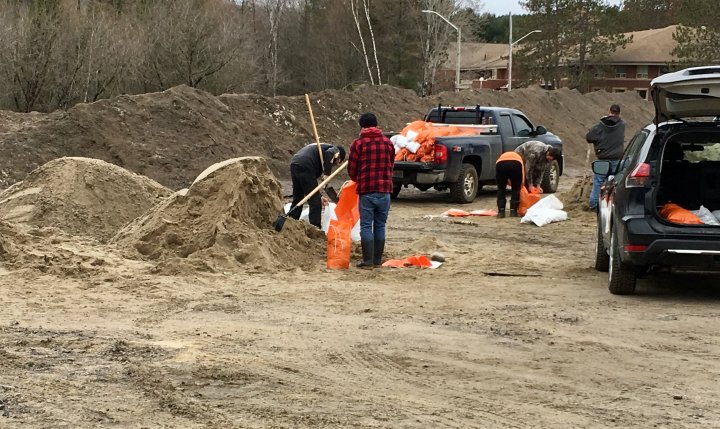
(371, 166)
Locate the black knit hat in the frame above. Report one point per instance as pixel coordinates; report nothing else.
(368, 120)
(615, 108)
(341, 151)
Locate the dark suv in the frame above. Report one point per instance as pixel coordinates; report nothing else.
(672, 163)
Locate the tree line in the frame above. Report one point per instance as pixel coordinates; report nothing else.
(57, 53)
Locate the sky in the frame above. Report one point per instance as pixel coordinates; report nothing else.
(502, 7)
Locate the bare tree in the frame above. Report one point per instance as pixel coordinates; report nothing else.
(366, 6)
(356, 18)
(31, 30)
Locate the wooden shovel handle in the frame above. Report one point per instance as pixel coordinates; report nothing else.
(317, 137)
(320, 186)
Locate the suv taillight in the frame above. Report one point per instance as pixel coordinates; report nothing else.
(441, 154)
(639, 176)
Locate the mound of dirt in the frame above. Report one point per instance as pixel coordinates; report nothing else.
(81, 196)
(32, 249)
(576, 199)
(224, 220)
(171, 136)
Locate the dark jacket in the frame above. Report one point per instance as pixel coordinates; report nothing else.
(371, 161)
(308, 158)
(608, 136)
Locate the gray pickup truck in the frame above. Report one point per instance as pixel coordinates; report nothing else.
(464, 164)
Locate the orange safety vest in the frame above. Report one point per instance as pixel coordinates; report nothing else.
(513, 156)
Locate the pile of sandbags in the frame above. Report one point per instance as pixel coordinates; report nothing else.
(416, 142)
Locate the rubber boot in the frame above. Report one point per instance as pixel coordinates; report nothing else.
(378, 253)
(501, 208)
(368, 248)
(513, 209)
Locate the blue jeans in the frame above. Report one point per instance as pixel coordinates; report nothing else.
(598, 179)
(374, 209)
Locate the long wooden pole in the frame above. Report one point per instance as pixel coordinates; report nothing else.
(317, 137)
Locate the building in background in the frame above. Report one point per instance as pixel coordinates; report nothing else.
(484, 65)
(633, 67)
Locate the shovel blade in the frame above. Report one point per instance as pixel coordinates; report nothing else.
(332, 194)
(279, 223)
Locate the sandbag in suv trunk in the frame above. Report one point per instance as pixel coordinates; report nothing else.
(690, 172)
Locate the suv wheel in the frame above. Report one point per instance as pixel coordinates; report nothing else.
(602, 259)
(465, 189)
(621, 277)
(551, 178)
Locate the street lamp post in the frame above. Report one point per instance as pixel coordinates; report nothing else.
(457, 66)
(510, 49)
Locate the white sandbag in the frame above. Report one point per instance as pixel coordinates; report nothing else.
(412, 146)
(355, 232)
(304, 214)
(410, 135)
(329, 214)
(716, 213)
(542, 217)
(706, 216)
(545, 211)
(399, 141)
(549, 202)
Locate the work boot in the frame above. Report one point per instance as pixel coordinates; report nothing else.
(513, 209)
(378, 253)
(368, 248)
(501, 213)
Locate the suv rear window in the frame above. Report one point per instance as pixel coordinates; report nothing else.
(704, 152)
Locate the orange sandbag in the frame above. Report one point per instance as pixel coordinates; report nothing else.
(347, 214)
(676, 214)
(415, 126)
(527, 199)
(411, 261)
(456, 213)
(483, 213)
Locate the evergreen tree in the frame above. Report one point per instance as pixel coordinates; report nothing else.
(698, 34)
(577, 37)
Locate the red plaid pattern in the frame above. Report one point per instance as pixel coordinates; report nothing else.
(371, 162)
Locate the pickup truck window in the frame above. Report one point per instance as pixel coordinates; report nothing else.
(521, 124)
(466, 117)
(505, 124)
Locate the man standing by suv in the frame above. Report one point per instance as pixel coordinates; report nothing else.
(608, 137)
(371, 166)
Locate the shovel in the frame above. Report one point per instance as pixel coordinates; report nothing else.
(329, 190)
(280, 221)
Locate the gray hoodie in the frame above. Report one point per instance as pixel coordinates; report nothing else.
(608, 136)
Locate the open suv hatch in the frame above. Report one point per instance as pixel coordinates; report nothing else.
(660, 209)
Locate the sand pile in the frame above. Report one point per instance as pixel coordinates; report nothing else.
(576, 199)
(152, 134)
(81, 196)
(32, 249)
(224, 220)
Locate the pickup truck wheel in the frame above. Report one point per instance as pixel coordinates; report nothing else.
(621, 277)
(551, 178)
(395, 191)
(602, 259)
(465, 189)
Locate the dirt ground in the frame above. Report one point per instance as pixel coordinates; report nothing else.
(515, 330)
(143, 297)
